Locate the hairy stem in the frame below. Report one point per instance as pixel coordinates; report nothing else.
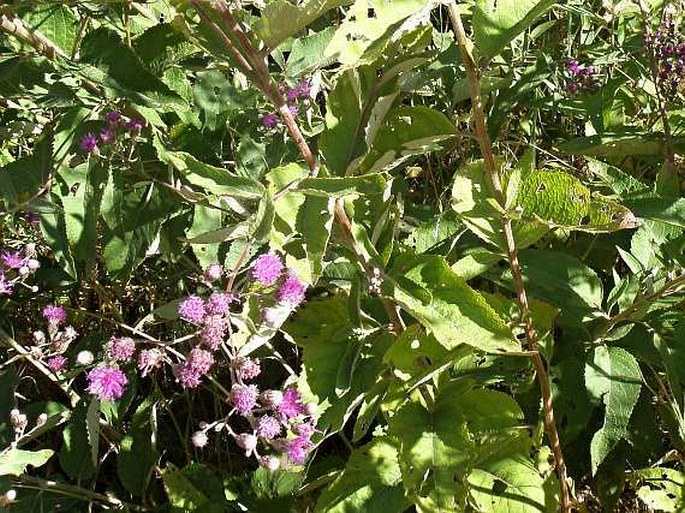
(521, 297)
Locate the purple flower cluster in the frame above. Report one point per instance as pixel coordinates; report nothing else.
(668, 46)
(15, 266)
(301, 91)
(581, 78)
(115, 125)
(107, 382)
(268, 269)
(121, 349)
(197, 364)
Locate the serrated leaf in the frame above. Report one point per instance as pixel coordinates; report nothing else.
(314, 222)
(612, 374)
(371, 482)
(181, 491)
(14, 461)
(307, 53)
(497, 22)
(455, 313)
(56, 22)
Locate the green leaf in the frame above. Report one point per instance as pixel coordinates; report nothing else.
(370, 483)
(407, 131)
(22, 179)
(667, 210)
(455, 313)
(620, 145)
(281, 19)
(660, 488)
(512, 484)
(56, 22)
(76, 454)
(572, 408)
(181, 491)
(307, 53)
(206, 220)
(497, 22)
(619, 182)
(314, 222)
(612, 374)
(215, 95)
(137, 456)
(364, 185)
(14, 461)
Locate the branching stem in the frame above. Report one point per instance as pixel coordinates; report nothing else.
(521, 297)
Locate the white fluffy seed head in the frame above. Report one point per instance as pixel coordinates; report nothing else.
(85, 358)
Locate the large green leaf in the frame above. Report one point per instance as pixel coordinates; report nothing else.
(80, 441)
(282, 19)
(660, 488)
(14, 461)
(22, 179)
(497, 22)
(206, 220)
(667, 210)
(612, 374)
(137, 455)
(314, 222)
(620, 145)
(426, 287)
(56, 22)
(370, 483)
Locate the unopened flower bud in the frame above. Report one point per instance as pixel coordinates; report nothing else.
(24, 270)
(199, 439)
(42, 419)
(34, 288)
(85, 358)
(271, 463)
(14, 416)
(246, 441)
(33, 264)
(310, 409)
(30, 249)
(214, 272)
(10, 496)
(271, 398)
(38, 337)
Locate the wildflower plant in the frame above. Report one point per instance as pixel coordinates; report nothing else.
(365, 257)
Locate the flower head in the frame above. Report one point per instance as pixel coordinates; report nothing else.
(213, 331)
(107, 136)
(121, 349)
(113, 118)
(269, 121)
(13, 259)
(199, 439)
(197, 364)
(294, 110)
(88, 143)
(248, 368)
(302, 88)
(6, 286)
(267, 269)
(219, 303)
(149, 360)
(214, 272)
(57, 363)
(135, 125)
(298, 448)
(244, 398)
(291, 291)
(268, 427)
(192, 309)
(291, 405)
(107, 382)
(55, 315)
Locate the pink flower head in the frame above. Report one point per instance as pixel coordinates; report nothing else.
(121, 349)
(297, 449)
(57, 363)
(303, 88)
(213, 331)
(13, 259)
(88, 143)
(214, 272)
(113, 118)
(192, 309)
(291, 291)
(135, 125)
(244, 398)
(107, 136)
(55, 315)
(294, 110)
(219, 303)
(6, 286)
(267, 269)
(291, 405)
(149, 360)
(107, 382)
(248, 368)
(292, 94)
(269, 121)
(196, 365)
(268, 427)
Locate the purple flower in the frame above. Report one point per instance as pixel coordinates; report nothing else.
(192, 309)
(269, 121)
(219, 303)
(213, 331)
(113, 118)
(244, 398)
(107, 136)
(291, 405)
(149, 360)
(134, 125)
(57, 363)
(294, 110)
(267, 269)
(121, 349)
(196, 365)
(302, 88)
(13, 259)
(214, 272)
(88, 142)
(107, 383)
(248, 368)
(268, 427)
(573, 67)
(6, 286)
(297, 449)
(54, 314)
(291, 94)
(291, 291)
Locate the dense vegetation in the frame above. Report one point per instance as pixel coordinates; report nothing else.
(342, 256)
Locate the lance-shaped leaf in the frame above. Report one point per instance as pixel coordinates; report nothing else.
(15, 461)
(612, 374)
(426, 287)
